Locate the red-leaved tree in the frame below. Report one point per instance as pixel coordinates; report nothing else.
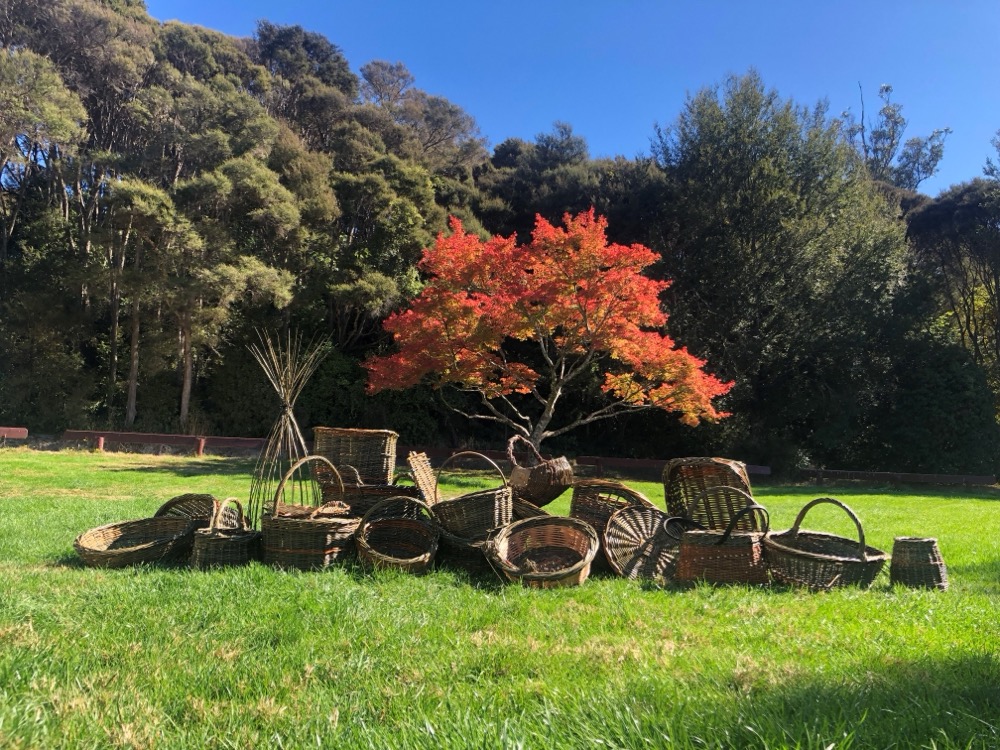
(522, 325)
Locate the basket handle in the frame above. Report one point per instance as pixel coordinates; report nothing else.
(760, 509)
(357, 474)
(221, 506)
(419, 504)
(490, 461)
(295, 467)
(534, 450)
(670, 523)
(794, 531)
(703, 495)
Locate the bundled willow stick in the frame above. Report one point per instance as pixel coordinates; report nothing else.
(288, 366)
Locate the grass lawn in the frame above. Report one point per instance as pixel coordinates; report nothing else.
(255, 657)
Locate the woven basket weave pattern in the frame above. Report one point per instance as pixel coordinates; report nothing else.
(371, 452)
(546, 551)
(686, 479)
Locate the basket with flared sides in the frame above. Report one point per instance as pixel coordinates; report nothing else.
(687, 479)
(644, 542)
(302, 536)
(820, 560)
(371, 452)
(223, 545)
(144, 540)
(729, 556)
(400, 533)
(475, 514)
(545, 551)
(537, 480)
(917, 562)
(595, 500)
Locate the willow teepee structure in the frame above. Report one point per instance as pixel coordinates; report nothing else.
(288, 366)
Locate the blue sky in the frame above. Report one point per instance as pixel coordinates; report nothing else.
(614, 69)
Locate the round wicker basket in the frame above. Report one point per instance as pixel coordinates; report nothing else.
(545, 551)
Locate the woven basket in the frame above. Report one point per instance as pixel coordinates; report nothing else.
(200, 509)
(543, 480)
(423, 476)
(521, 509)
(644, 542)
(222, 545)
(466, 554)
(475, 514)
(145, 540)
(687, 479)
(917, 562)
(595, 500)
(545, 551)
(306, 537)
(820, 560)
(398, 532)
(728, 556)
(361, 497)
(371, 452)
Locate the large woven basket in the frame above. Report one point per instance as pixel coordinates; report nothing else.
(687, 479)
(398, 532)
(820, 560)
(145, 540)
(371, 452)
(475, 514)
(541, 480)
(222, 545)
(595, 500)
(545, 551)
(644, 542)
(305, 537)
(728, 556)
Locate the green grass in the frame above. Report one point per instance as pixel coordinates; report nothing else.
(254, 657)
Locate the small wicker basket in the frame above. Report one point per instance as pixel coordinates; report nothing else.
(398, 532)
(545, 551)
(199, 509)
(475, 514)
(728, 556)
(543, 480)
(917, 562)
(220, 545)
(145, 540)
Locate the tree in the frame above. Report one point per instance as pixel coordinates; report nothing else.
(520, 326)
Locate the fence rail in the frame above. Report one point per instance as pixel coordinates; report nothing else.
(895, 477)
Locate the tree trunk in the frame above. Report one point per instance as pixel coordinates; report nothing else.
(187, 359)
(133, 367)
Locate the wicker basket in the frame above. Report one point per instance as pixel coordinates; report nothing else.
(521, 509)
(145, 540)
(643, 542)
(687, 479)
(371, 452)
(398, 532)
(728, 556)
(595, 500)
(543, 480)
(423, 476)
(361, 497)
(820, 560)
(200, 509)
(222, 545)
(545, 551)
(917, 562)
(466, 554)
(306, 537)
(475, 514)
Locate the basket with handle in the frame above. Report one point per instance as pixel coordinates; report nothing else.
(542, 480)
(198, 508)
(729, 556)
(371, 452)
(398, 532)
(644, 542)
(595, 500)
(820, 560)
(475, 514)
(302, 536)
(687, 479)
(144, 540)
(545, 551)
(223, 545)
(917, 562)
(358, 496)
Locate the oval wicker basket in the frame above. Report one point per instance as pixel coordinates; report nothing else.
(545, 551)
(541, 482)
(595, 500)
(144, 540)
(728, 556)
(361, 497)
(475, 514)
(644, 542)
(398, 532)
(820, 560)
(224, 545)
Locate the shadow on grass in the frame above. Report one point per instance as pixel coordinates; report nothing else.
(852, 489)
(193, 468)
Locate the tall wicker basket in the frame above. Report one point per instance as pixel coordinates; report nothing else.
(686, 479)
(371, 452)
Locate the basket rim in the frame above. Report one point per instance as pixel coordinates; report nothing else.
(769, 540)
(526, 523)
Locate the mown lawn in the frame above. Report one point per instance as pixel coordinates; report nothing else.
(255, 657)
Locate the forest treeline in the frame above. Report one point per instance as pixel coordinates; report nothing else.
(168, 190)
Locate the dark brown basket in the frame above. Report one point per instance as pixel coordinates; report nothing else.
(543, 480)
(728, 556)
(595, 500)
(466, 554)
(400, 533)
(371, 452)
(475, 514)
(644, 542)
(305, 537)
(687, 479)
(221, 545)
(145, 540)
(917, 562)
(545, 551)
(361, 497)
(819, 560)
